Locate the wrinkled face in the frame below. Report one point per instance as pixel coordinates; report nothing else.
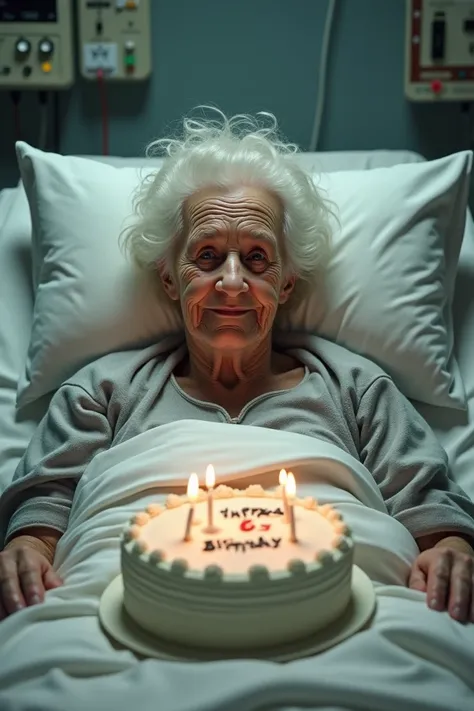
(229, 274)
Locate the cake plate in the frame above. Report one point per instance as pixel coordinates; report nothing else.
(122, 629)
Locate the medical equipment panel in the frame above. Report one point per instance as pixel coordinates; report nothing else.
(114, 39)
(439, 50)
(36, 44)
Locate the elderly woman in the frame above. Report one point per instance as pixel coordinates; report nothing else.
(235, 230)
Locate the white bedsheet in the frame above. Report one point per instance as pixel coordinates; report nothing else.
(455, 429)
(55, 656)
(16, 310)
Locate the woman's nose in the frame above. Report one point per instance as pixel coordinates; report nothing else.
(232, 278)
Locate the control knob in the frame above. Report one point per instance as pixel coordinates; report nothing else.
(23, 47)
(46, 47)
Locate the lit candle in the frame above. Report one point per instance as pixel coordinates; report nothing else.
(210, 481)
(283, 478)
(291, 495)
(193, 490)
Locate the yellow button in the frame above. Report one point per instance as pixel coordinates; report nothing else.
(46, 67)
(130, 5)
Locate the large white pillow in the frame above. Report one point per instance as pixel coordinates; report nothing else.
(388, 291)
(389, 288)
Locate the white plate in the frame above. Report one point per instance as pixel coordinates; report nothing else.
(120, 626)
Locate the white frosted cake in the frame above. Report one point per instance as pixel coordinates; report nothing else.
(244, 585)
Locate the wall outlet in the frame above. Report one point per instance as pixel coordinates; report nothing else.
(102, 56)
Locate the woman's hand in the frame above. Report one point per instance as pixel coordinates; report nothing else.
(446, 574)
(25, 574)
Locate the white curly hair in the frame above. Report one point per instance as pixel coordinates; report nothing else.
(224, 153)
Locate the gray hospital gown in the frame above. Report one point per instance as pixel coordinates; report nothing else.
(343, 399)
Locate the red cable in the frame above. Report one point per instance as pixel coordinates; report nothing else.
(104, 112)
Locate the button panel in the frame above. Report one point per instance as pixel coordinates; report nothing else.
(31, 56)
(115, 38)
(439, 50)
(37, 51)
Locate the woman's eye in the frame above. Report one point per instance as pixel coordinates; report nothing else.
(207, 260)
(257, 257)
(207, 255)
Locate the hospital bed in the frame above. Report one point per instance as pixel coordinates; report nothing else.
(236, 685)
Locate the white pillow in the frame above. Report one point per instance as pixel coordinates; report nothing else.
(389, 289)
(390, 284)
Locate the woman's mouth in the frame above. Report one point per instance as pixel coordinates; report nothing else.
(231, 311)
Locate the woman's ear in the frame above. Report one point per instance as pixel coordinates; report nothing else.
(167, 280)
(286, 289)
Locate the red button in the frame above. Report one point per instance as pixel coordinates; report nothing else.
(437, 86)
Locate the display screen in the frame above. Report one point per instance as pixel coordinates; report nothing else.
(28, 11)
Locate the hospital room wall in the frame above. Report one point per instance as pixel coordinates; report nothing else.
(259, 55)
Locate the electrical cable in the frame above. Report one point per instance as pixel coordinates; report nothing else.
(16, 98)
(56, 123)
(43, 97)
(104, 112)
(323, 66)
(467, 142)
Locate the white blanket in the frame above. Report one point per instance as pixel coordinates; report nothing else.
(55, 657)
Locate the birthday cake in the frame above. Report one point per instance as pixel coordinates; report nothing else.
(245, 584)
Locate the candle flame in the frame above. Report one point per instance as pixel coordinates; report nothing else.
(210, 476)
(283, 477)
(290, 485)
(193, 487)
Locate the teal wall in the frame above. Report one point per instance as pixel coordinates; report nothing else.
(250, 55)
